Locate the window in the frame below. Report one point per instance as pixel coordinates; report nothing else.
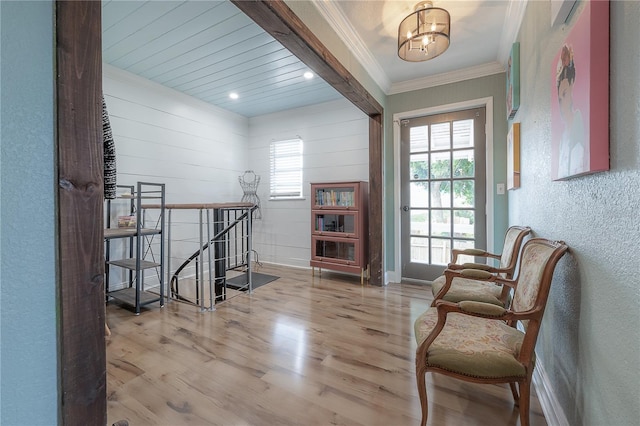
(286, 169)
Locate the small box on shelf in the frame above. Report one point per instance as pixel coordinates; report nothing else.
(127, 221)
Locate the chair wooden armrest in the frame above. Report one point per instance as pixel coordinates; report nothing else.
(471, 252)
(479, 266)
(450, 274)
(482, 309)
(481, 275)
(485, 267)
(478, 275)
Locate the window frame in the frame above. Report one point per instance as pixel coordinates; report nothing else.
(279, 187)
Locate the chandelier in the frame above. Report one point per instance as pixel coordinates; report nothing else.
(424, 34)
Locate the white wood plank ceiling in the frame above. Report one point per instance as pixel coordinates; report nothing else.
(208, 49)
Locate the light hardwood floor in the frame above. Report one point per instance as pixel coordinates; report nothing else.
(301, 350)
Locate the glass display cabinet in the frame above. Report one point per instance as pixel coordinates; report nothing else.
(339, 227)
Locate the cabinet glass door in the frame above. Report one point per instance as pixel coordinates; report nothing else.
(336, 196)
(340, 250)
(344, 224)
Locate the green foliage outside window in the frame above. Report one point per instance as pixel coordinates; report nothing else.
(464, 189)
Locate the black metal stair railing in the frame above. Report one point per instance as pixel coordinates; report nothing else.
(231, 249)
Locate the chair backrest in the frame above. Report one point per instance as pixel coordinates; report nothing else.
(537, 263)
(512, 242)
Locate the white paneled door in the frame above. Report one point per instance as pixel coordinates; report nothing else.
(443, 189)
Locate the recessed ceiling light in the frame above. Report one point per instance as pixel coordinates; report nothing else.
(308, 75)
(233, 95)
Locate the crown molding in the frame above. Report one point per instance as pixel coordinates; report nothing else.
(340, 24)
(447, 77)
(512, 21)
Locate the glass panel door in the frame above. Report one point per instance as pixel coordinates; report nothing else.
(443, 190)
(338, 223)
(338, 250)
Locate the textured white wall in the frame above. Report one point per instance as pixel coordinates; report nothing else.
(164, 136)
(336, 148)
(591, 333)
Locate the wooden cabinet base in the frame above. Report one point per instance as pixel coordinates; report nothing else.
(363, 272)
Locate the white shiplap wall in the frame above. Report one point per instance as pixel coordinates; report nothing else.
(199, 151)
(162, 135)
(336, 148)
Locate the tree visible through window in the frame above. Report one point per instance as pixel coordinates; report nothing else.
(286, 169)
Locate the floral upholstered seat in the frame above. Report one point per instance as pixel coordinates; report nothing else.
(455, 287)
(457, 351)
(479, 342)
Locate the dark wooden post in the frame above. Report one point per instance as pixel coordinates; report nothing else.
(376, 189)
(80, 213)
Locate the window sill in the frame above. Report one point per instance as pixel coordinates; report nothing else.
(288, 199)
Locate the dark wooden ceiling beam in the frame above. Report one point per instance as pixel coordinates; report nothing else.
(277, 19)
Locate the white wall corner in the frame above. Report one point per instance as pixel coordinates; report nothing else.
(551, 408)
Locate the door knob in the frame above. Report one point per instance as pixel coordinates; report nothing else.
(405, 208)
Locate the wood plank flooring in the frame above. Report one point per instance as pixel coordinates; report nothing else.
(301, 350)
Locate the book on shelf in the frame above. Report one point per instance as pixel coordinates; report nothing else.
(332, 197)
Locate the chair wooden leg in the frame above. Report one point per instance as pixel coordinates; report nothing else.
(525, 392)
(514, 392)
(422, 393)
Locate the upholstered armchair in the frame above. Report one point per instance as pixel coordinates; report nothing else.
(479, 342)
(455, 286)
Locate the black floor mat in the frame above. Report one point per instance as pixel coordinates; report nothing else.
(258, 279)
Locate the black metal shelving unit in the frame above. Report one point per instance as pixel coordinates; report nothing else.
(139, 240)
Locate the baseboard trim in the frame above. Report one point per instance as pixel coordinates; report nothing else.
(391, 277)
(551, 408)
(284, 265)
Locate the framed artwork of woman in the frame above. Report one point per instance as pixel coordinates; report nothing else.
(580, 96)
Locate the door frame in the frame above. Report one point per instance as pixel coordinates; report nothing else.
(490, 178)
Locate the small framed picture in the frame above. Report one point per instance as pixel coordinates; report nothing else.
(513, 81)
(513, 157)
